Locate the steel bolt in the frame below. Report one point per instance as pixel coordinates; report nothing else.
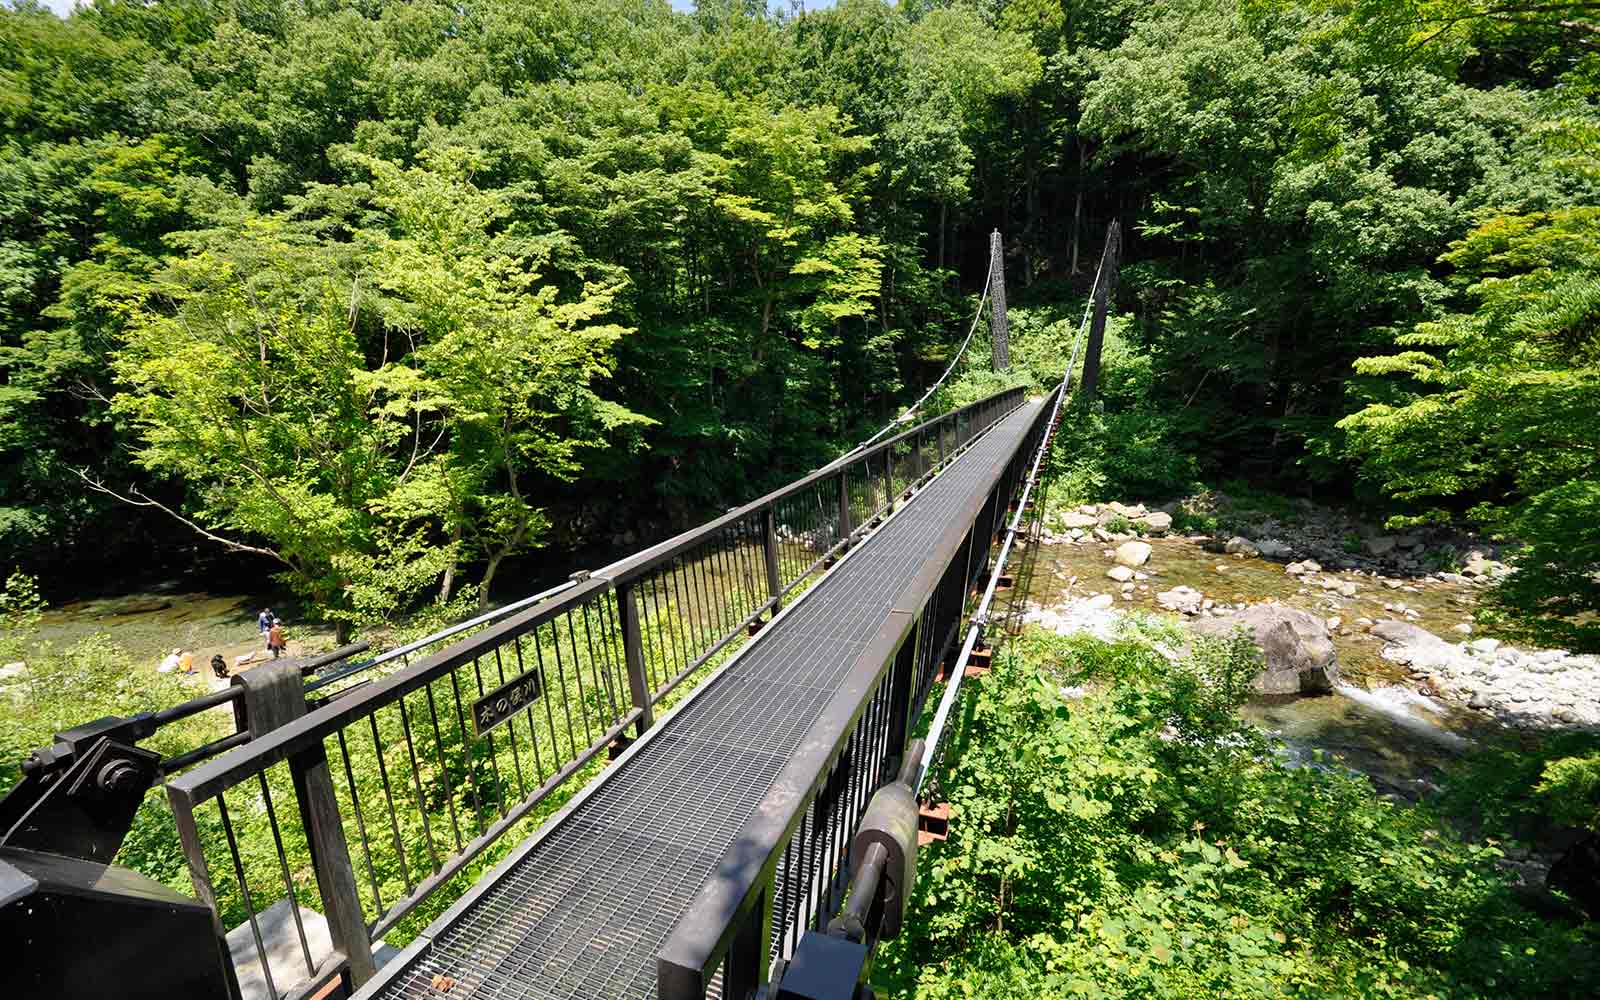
(119, 776)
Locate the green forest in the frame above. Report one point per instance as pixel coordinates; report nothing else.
(376, 296)
(400, 309)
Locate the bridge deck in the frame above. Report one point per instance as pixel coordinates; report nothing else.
(580, 911)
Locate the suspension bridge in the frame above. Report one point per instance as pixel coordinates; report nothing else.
(704, 757)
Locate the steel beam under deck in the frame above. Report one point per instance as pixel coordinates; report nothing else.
(580, 909)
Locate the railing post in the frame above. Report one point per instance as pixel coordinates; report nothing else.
(769, 547)
(888, 477)
(274, 696)
(845, 527)
(330, 859)
(200, 876)
(633, 655)
(904, 688)
(746, 969)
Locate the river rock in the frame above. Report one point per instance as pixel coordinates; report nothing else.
(1186, 600)
(1133, 553)
(1303, 567)
(1382, 545)
(1299, 653)
(1272, 548)
(1240, 545)
(1100, 601)
(1121, 574)
(1076, 520)
(1158, 522)
(1408, 643)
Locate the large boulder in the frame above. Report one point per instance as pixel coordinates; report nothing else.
(1240, 545)
(1158, 522)
(1295, 644)
(1380, 546)
(1133, 553)
(1076, 520)
(1411, 645)
(1272, 548)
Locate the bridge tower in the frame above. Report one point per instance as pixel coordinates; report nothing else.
(1105, 287)
(997, 304)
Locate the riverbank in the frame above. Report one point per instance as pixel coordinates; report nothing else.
(146, 625)
(1404, 693)
(1400, 629)
(1116, 830)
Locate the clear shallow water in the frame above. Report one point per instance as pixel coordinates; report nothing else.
(150, 623)
(1376, 722)
(1403, 745)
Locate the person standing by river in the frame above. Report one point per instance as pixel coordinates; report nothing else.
(264, 621)
(275, 638)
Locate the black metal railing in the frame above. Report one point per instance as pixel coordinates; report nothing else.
(787, 872)
(399, 784)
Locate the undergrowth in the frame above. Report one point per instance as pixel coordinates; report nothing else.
(1140, 841)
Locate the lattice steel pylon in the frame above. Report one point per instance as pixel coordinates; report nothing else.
(999, 326)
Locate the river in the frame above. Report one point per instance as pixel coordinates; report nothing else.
(1376, 721)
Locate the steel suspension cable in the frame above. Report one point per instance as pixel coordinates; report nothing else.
(912, 409)
(980, 617)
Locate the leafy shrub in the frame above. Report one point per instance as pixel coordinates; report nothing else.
(1512, 791)
(1192, 519)
(1140, 841)
(1130, 454)
(20, 610)
(1120, 525)
(1570, 789)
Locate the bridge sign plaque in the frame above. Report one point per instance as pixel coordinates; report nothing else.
(505, 701)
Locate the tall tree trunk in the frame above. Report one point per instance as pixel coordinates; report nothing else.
(448, 587)
(488, 578)
(943, 210)
(1030, 229)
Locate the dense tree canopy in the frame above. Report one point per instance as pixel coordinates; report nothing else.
(393, 292)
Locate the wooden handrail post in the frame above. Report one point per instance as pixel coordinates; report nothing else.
(845, 527)
(769, 549)
(633, 655)
(330, 859)
(274, 696)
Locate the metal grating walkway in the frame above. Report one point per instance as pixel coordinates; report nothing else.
(580, 913)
